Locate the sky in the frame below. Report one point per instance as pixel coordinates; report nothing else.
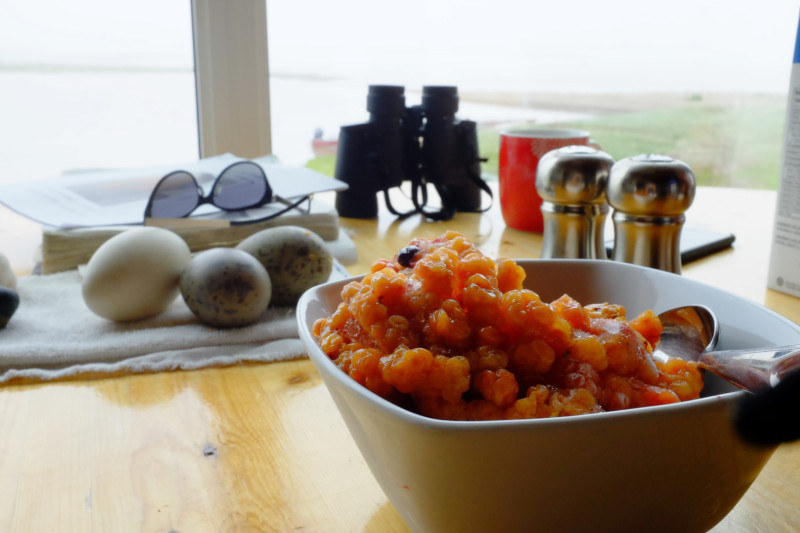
(580, 45)
(574, 45)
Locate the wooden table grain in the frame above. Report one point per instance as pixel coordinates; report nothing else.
(261, 447)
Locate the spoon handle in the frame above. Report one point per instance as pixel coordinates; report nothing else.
(769, 416)
(753, 369)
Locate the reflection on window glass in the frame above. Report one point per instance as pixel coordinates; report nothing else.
(694, 79)
(94, 84)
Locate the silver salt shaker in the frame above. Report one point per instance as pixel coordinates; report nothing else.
(572, 182)
(650, 194)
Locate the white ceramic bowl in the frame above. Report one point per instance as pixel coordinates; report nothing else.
(669, 468)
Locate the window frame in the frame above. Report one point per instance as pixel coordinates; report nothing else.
(232, 77)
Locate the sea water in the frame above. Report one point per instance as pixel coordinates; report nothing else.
(60, 121)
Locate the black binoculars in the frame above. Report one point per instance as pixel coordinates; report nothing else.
(424, 144)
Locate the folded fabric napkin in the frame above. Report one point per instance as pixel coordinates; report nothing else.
(54, 335)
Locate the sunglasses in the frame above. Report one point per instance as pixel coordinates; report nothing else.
(241, 185)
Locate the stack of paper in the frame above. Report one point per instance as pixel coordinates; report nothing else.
(81, 210)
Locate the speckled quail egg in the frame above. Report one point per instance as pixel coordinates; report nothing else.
(135, 274)
(296, 259)
(225, 287)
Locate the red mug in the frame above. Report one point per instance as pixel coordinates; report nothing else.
(520, 151)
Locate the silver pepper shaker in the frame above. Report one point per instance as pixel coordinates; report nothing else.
(650, 194)
(572, 182)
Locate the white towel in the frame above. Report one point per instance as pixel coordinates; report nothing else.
(54, 335)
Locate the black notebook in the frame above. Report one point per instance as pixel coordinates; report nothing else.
(695, 243)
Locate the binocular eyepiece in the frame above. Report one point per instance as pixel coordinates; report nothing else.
(424, 144)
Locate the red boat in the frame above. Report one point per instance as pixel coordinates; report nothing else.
(323, 147)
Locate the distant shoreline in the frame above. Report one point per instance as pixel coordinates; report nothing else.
(607, 104)
(578, 102)
(47, 68)
(137, 69)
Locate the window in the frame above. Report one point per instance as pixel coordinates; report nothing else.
(694, 79)
(93, 84)
(97, 84)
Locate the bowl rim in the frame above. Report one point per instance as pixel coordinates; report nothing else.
(328, 368)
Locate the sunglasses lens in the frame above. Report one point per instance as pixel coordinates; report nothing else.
(242, 185)
(175, 196)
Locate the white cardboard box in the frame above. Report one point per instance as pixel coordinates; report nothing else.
(784, 264)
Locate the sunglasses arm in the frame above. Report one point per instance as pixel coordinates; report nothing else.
(295, 204)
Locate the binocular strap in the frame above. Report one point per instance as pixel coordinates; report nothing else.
(449, 207)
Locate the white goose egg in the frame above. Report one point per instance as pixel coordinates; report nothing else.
(135, 274)
(7, 277)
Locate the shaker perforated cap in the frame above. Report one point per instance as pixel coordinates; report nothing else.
(651, 185)
(573, 175)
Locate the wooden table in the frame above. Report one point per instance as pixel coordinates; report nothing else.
(262, 447)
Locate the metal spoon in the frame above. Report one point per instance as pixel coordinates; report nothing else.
(692, 332)
(768, 417)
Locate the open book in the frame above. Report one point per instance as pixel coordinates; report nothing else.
(65, 249)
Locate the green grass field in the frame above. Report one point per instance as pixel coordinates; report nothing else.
(726, 145)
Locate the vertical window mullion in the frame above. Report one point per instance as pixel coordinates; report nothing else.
(232, 77)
